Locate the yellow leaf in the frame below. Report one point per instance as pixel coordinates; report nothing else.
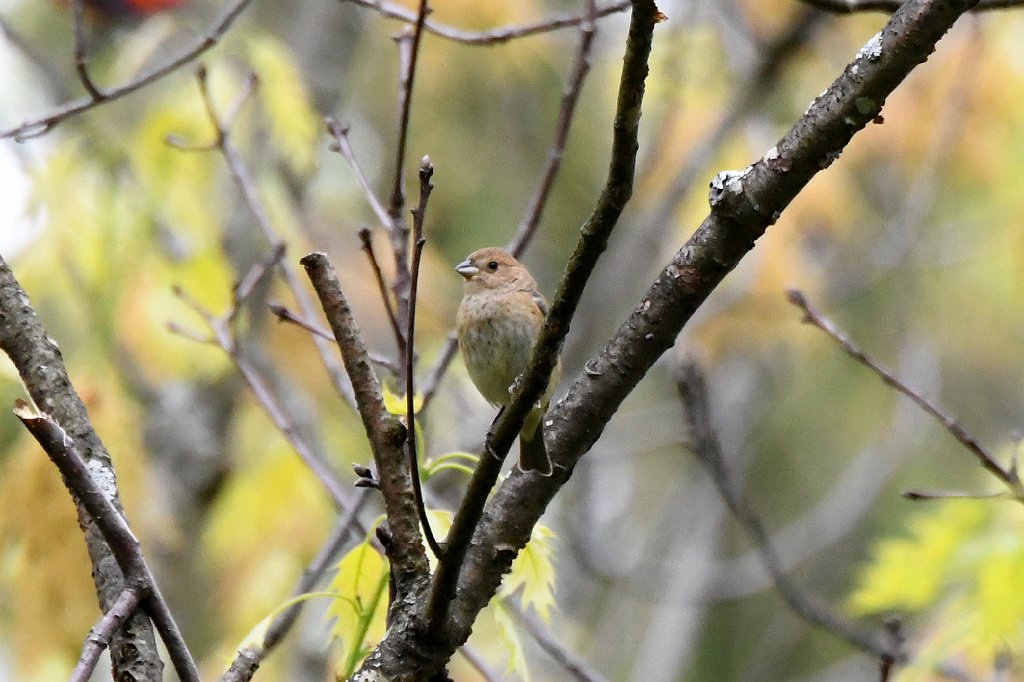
(908, 573)
(534, 572)
(395, 403)
(510, 638)
(360, 605)
(294, 125)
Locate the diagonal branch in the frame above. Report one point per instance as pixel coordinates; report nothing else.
(889, 6)
(744, 205)
(1008, 476)
(41, 367)
(693, 390)
(42, 124)
(384, 431)
(123, 544)
(595, 234)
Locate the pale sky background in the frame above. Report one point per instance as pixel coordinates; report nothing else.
(19, 99)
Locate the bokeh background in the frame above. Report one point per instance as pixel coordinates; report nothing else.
(913, 241)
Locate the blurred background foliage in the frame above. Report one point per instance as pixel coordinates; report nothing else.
(912, 241)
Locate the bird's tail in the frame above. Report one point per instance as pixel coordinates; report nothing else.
(533, 454)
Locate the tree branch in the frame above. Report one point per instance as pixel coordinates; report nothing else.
(1008, 476)
(384, 431)
(693, 390)
(99, 636)
(889, 6)
(39, 363)
(493, 37)
(744, 205)
(124, 546)
(44, 123)
(593, 241)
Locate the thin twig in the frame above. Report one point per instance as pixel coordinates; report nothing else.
(925, 495)
(418, 215)
(223, 336)
(283, 314)
(531, 219)
(81, 55)
(61, 449)
(365, 238)
(99, 636)
(248, 660)
(244, 181)
(576, 667)
(42, 124)
(1008, 476)
(495, 36)
(341, 145)
(580, 68)
(705, 445)
(437, 372)
(480, 665)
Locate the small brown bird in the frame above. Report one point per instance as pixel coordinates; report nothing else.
(498, 321)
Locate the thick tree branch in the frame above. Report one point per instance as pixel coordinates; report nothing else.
(39, 362)
(744, 205)
(60, 447)
(889, 6)
(384, 431)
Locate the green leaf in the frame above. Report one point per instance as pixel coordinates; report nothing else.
(361, 604)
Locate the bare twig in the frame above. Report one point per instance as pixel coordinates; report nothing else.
(342, 146)
(437, 372)
(81, 56)
(418, 216)
(42, 124)
(61, 449)
(494, 36)
(283, 314)
(580, 68)
(1008, 476)
(99, 636)
(531, 219)
(248, 660)
(364, 237)
(577, 668)
(480, 665)
(704, 443)
(243, 179)
(223, 336)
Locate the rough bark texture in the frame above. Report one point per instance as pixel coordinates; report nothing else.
(39, 362)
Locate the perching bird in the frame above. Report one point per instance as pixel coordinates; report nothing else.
(498, 321)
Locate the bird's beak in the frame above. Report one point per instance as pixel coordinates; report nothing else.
(466, 269)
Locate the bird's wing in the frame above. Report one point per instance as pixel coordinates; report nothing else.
(542, 304)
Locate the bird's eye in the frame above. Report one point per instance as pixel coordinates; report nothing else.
(493, 265)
